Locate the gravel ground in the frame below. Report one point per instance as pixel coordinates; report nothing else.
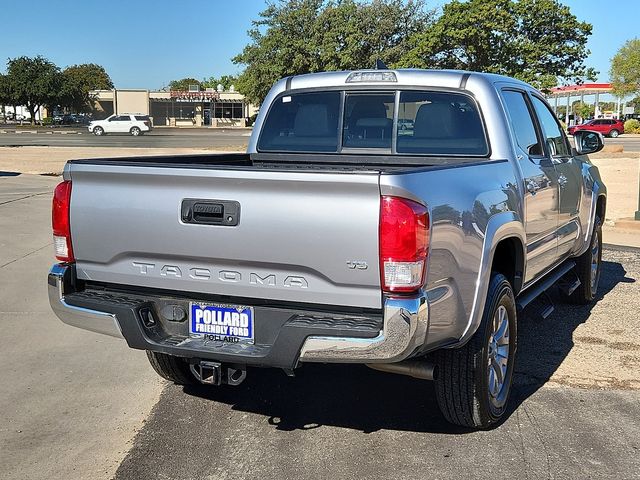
(594, 346)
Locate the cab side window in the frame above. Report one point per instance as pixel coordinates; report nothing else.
(521, 122)
(551, 128)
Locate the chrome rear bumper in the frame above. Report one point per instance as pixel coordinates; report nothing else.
(404, 328)
(59, 281)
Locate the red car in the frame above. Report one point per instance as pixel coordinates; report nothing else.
(606, 126)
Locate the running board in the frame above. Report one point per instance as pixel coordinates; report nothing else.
(543, 285)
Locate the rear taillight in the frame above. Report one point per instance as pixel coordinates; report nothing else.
(404, 241)
(60, 222)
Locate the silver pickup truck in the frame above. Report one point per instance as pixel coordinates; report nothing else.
(400, 219)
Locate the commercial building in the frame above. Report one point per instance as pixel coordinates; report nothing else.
(208, 108)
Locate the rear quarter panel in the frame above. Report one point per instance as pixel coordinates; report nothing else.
(461, 201)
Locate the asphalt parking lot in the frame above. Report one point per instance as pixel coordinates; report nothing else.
(175, 138)
(79, 405)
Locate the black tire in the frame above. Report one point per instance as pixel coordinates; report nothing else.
(174, 369)
(135, 131)
(588, 276)
(463, 375)
(98, 131)
(614, 133)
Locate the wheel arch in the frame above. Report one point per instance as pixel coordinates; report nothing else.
(504, 235)
(508, 259)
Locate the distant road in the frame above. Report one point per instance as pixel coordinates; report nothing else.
(630, 143)
(159, 138)
(176, 138)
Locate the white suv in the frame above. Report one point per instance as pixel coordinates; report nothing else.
(133, 123)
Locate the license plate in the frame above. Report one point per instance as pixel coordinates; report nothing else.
(222, 323)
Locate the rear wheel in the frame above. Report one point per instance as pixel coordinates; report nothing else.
(614, 133)
(98, 131)
(174, 369)
(588, 267)
(473, 382)
(135, 131)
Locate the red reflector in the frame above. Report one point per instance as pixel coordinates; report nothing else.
(60, 222)
(404, 238)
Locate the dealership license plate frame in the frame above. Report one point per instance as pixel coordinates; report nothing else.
(215, 336)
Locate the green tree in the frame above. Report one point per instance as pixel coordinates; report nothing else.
(78, 81)
(225, 80)
(625, 69)
(33, 82)
(537, 41)
(5, 92)
(301, 36)
(354, 35)
(584, 110)
(182, 85)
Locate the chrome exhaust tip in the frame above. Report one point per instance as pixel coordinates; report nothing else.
(412, 368)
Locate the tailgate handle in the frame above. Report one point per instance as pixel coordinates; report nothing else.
(210, 212)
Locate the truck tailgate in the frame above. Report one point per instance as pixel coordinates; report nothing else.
(308, 237)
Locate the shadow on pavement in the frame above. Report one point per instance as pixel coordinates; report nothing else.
(348, 396)
(355, 397)
(9, 174)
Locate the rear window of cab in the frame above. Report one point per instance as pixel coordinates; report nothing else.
(424, 123)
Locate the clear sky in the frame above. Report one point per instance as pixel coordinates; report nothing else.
(147, 43)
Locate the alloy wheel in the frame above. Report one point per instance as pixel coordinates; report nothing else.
(498, 357)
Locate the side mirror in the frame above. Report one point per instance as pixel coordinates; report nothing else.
(588, 142)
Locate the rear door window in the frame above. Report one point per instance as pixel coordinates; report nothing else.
(521, 122)
(302, 122)
(438, 123)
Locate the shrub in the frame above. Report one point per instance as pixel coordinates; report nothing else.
(632, 126)
(47, 121)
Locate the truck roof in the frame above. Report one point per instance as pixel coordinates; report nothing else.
(404, 77)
